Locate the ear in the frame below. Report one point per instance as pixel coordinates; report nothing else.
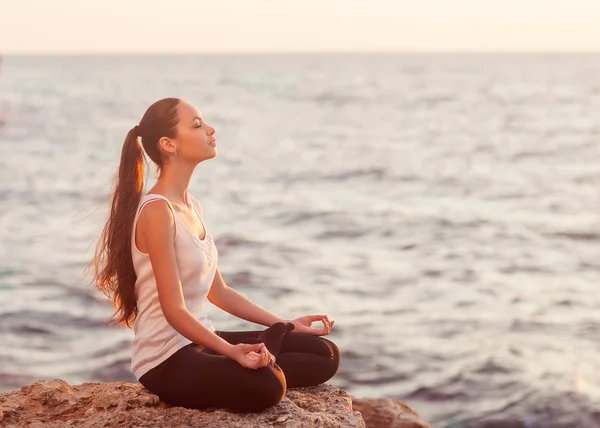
(168, 145)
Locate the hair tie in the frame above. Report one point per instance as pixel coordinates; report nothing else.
(136, 129)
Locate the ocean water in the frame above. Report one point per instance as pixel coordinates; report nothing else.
(443, 209)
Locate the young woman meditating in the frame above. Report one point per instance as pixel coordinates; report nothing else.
(158, 262)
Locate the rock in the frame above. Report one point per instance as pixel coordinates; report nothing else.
(387, 413)
(55, 403)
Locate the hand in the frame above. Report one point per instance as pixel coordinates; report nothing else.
(304, 325)
(251, 355)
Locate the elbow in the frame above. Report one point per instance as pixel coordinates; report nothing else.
(218, 297)
(175, 315)
(211, 299)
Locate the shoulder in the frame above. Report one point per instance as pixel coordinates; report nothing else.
(156, 214)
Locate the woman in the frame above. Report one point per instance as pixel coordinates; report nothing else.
(158, 263)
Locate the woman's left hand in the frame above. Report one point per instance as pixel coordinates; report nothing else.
(304, 325)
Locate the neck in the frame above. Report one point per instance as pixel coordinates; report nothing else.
(174, 181)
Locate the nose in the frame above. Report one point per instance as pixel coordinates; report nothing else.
(211, 130)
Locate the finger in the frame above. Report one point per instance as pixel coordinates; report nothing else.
(260, 356)
(264, 356)
(258, 361)
(316, 317)
(253, 355)
(255, 347)
(251, 361)
(318, 331)
(313, 330)
(326, 328)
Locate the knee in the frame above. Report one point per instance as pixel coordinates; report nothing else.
(334, 356)
(269, 390)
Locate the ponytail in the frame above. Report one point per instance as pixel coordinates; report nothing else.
(112, 263)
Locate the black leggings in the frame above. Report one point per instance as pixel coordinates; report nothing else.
(199, 378)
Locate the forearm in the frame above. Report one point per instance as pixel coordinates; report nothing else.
(188, 326)
(238, 305)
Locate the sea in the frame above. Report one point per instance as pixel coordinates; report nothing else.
(443, 209)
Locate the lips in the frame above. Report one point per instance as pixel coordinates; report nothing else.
(212, 142)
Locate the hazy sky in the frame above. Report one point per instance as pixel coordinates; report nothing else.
(176, 26)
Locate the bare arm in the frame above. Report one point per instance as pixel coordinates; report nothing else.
(228, 299)
(157, 228)
(231, 301)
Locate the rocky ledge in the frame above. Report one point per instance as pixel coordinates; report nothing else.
(55, 403)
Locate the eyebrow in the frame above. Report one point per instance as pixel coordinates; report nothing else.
(199, 118)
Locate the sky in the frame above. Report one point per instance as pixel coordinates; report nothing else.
(290, 26)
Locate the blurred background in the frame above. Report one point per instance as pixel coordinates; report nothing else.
(426, 173)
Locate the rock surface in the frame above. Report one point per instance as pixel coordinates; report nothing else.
(387, 413)
(55, 403)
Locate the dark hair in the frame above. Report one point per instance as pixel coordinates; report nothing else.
(112, 263)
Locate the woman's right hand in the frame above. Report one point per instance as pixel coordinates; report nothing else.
(251, 355)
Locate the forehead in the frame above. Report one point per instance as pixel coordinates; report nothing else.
(187, 112)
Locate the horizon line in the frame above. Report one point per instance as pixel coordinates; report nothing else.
(309, 52)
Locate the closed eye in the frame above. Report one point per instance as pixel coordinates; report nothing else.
(198, 122)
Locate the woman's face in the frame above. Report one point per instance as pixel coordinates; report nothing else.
(195, 141)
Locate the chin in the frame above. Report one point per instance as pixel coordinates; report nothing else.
(208, 156)
(212, 155)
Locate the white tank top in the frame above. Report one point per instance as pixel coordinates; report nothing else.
(155, 340)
